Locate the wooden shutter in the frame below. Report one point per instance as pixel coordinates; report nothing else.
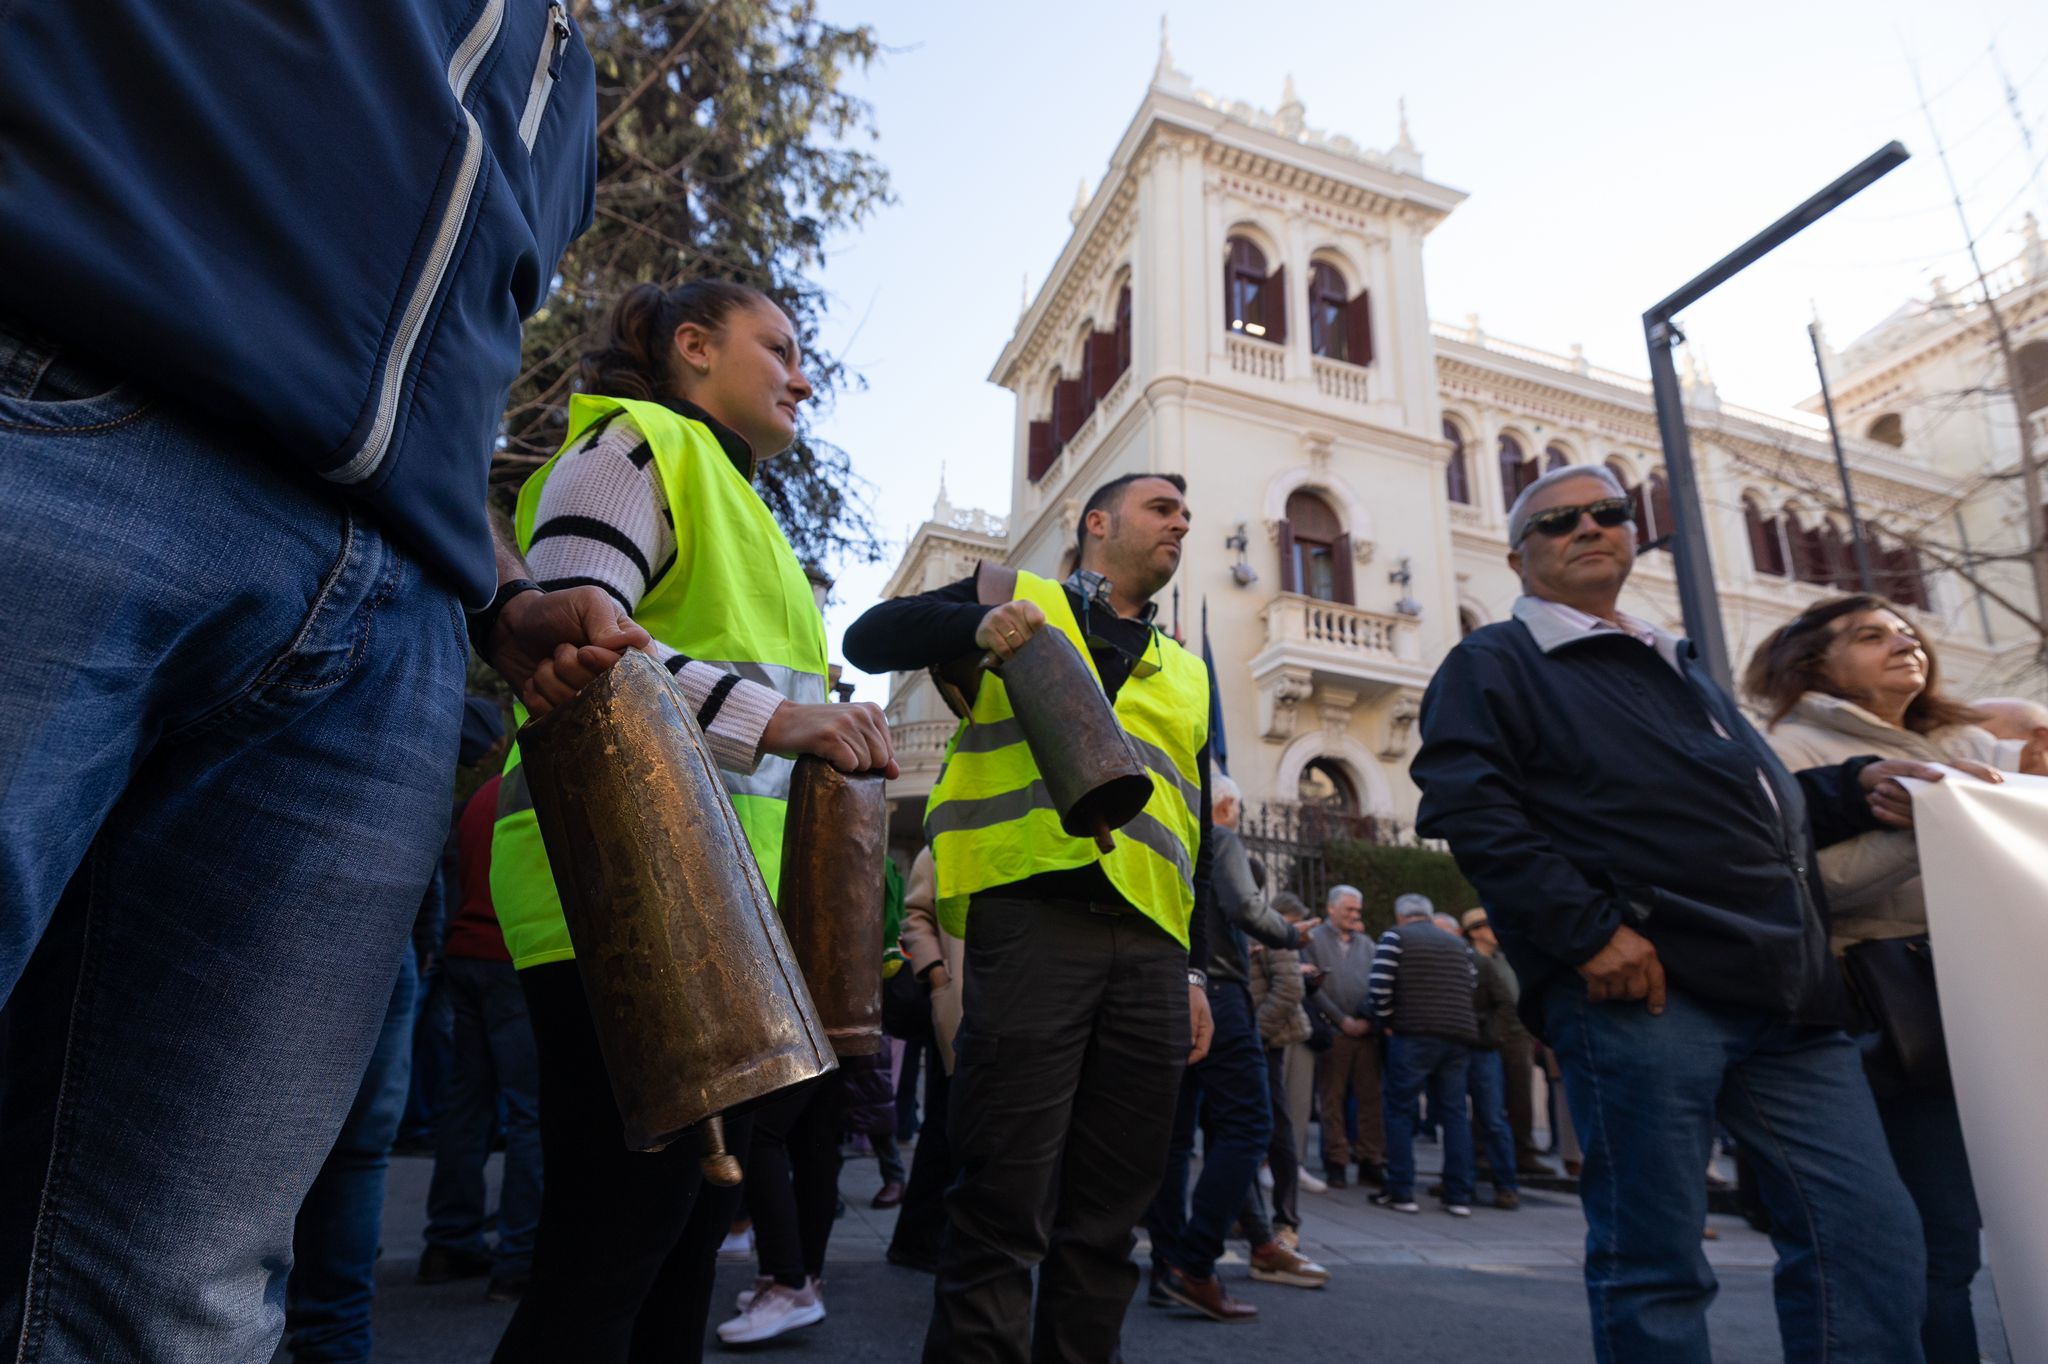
(1341, 586)
(1358, 329)
(1069, 410)
(1287, 582)
(1039, 450)
(1103, 368)
(1273, 305)
(1759, 544)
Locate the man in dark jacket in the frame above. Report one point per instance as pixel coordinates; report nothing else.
(1648, 866)
(1421, 996)
(1229, 1093)
(267, 265)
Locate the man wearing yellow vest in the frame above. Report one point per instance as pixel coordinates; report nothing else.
(1080, 1009)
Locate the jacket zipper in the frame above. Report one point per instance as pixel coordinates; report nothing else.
(462, 69)
(546, 71)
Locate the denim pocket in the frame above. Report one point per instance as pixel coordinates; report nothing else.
(43, 388)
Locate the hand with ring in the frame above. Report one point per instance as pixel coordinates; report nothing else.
(1007, 628)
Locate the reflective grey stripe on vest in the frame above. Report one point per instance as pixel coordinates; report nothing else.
(966, 816)
(770, 779)
(997, 734)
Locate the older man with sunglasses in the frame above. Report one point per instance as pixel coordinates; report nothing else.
(1647, 864)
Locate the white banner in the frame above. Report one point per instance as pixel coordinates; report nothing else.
(1984, 860)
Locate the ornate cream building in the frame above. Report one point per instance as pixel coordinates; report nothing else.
(1242, 301)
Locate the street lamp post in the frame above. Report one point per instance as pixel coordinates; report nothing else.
(1864, 580)
(1692, 559)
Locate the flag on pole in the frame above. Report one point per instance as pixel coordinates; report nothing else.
(1219, 747)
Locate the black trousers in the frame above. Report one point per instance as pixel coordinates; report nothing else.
(1068, 1063)
(792, 1186)
(921, 1221)
(628, 1240)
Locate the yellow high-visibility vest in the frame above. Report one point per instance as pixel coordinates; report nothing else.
(991, 821)
(736, 598)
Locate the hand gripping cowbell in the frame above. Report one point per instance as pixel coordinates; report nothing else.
(832, 897)
(1094, 778)
(695, 993)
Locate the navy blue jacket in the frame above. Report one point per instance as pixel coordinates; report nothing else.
(321, 221)
(1588, 787)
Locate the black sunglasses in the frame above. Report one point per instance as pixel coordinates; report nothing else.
(1556, 521)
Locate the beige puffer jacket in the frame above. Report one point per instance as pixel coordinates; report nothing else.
(1873, 879)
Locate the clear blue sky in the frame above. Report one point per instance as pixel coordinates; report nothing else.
(1611, 151)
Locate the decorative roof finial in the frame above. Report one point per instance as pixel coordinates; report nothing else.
(1080, 202)
(1164, 73)
(1292, 112)
(2031, 248)
(942, 507)
(1407, 143)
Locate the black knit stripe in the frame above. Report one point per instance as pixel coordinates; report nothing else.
(716, 701)
(642, 455)
(662, 572)
(597, 428)
(675, 663)
(564, 584)
(591, 528)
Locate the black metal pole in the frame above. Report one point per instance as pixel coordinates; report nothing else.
(1692, 559)
(1827, 402)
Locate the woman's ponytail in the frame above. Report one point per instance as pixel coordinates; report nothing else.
(635, 357)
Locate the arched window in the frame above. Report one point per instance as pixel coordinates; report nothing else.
(1315, 553)
(1325, 785)
(1888, 430)
(1457, 474)
(1123, 329)
(1517, 469)
(1896, 572)
(1555, 457)
(1766, 540)
(1809, 552)
(1254, 302)
(1340, 328)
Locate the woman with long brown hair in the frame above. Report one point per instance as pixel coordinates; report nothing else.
(652, 498)
(1852, 676)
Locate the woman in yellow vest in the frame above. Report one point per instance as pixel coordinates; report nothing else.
(651, 498)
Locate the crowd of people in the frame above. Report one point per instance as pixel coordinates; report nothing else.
(247, 435)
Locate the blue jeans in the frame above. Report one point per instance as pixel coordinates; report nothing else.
(227, 735)
(1416, 1064)
(1926, 1136)
(1646, 1092)
(1225, 1092)
(1488, 1085)
(327, 1301)
(494, 1057)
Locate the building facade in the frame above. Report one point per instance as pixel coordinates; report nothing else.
(1243, 302)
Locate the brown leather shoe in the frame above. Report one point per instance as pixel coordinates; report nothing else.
(1205, 1296)
(1275, 1263)
(891, 1194)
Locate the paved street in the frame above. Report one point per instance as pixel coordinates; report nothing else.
(1502, 1286)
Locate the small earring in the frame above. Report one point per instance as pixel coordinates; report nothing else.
(703, 370)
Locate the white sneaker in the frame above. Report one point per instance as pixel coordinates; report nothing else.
(747, 1295)
(1265, 1176)
(1457, 1210)
(737, 1245)
(778, 1309)
(1311, 1184)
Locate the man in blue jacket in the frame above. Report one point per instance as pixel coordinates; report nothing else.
(1648, 866)
(267, 262)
